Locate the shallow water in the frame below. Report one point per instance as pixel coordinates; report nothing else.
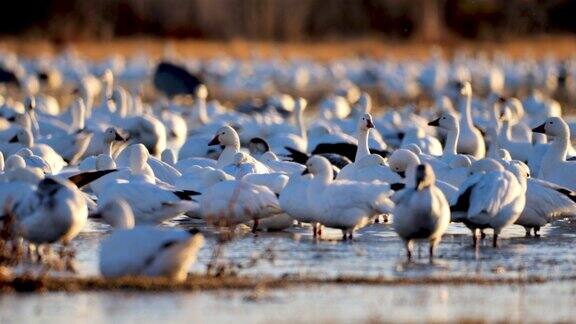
(331, 304)
(375, 251)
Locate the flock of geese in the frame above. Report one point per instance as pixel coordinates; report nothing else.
(485, 161)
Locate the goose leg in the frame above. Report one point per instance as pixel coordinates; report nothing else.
(350, 236)
(409, 250)
(475, 237)
(344, 235)
(314, 229)
(495, 240)
(255, 226)
(432, 248)
(528, 231)
(536, 230)
(482, 234)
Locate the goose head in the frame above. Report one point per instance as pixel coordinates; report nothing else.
(446, 121)
(466, 89)
(300, 105)
(48, 187)
(201, 92)
(111, 134)
(169, 157)
(23, 137)
(269, 156)
(414, 148)
(240, 158)
(25, 152)
(212, 177)
(319, 167)
(138, 157)
(364, 103)
(117, 213)
(258, 146)
(401, 160)
(15, 161)
(424, 176)
(226, 136)
(365, 123)
(554, 126)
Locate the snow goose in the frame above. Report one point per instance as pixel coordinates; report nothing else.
(60, 215)
(491, 198)
(448, 123)
(470, 139)
(421, 211)
(294, 201)
(228, 137)
(519, 150)
(24, 139)
(34, 160)
(298, 141)
(370, 168)
(554, 167)
(233, 202)
(150, 203)
(275, 182)
(345, 205)
(107, 142)
(144, 250)
(545, 201)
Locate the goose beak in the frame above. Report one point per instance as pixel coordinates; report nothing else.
(119, 137)
(14, 139)
(96, 215)
(435, 122)
(214, 141)
(540, 129)
(369, 124)
(306, 171)
(402, 174)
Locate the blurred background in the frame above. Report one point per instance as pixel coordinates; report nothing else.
(288, 20)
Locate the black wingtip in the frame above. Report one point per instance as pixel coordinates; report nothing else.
(84, 178)
(297, 156)
(186, 194)
(194, 231)
(397, 186)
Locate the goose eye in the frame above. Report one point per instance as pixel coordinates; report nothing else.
(551, 123)
(443, 117)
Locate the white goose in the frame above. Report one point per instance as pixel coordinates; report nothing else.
(554, 167)
(228, 137)
(344, 205)
(421, 211)
(545, 201)
(150, 203)
(233, 202)
(144, 250)
(60, 214)
(491, 198)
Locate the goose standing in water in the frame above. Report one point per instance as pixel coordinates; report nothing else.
(345, 205)
(421, 211)
(491, 198)
(144, 250)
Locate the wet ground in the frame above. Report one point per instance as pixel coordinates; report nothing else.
(375, 252)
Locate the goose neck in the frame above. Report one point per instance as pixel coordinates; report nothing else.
(451, 142)
(362, 149)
